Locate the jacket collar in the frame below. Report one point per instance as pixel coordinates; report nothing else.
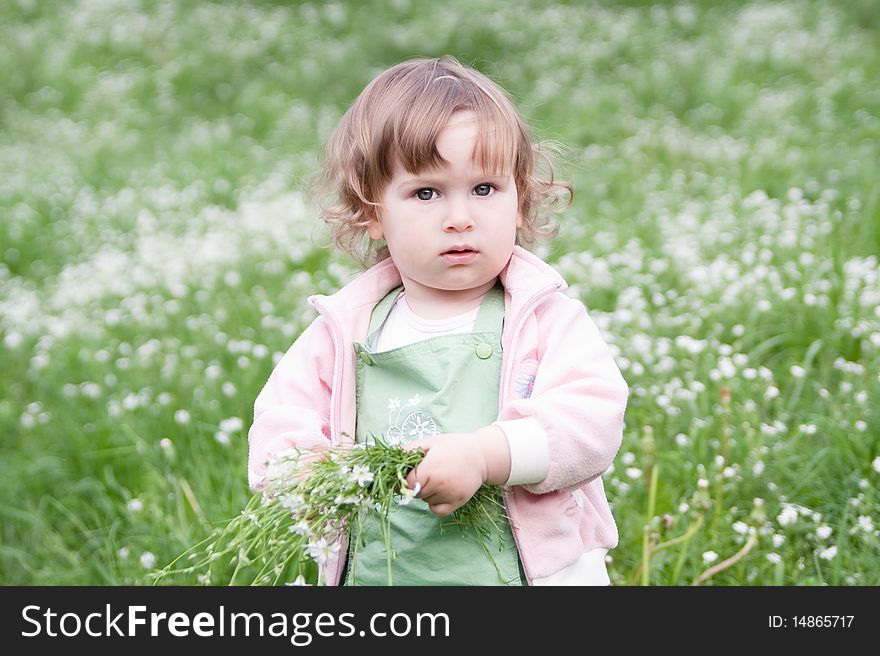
(524, 276)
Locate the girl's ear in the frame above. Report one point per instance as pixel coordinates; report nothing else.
(374, 228)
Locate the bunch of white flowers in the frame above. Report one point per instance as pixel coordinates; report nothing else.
(294, 527)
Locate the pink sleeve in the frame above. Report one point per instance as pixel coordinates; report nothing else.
(578, 398)
(293, 407)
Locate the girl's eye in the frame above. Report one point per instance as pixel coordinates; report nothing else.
(483, 190)
(425, 194)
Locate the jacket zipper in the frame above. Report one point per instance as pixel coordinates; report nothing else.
(502, 399)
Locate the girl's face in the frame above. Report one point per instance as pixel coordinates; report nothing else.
(451, 230)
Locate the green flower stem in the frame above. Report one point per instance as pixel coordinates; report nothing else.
(646, 531)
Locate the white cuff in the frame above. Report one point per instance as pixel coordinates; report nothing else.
(529, 450)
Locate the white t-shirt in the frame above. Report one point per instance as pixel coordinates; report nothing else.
(403, 327)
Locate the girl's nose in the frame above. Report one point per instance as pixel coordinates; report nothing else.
(458, 217)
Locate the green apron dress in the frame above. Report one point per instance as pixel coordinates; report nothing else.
(445, 384)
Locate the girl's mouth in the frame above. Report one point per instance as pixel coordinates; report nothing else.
(460, 256)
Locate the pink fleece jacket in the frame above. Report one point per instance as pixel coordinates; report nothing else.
(559, 386)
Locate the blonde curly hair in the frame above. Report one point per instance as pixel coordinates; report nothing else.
(397, 119)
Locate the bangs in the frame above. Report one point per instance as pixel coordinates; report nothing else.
(411, 137)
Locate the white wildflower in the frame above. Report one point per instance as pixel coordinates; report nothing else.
(293, 502)
(407, 494)
(148, 560)
(361, 475)
(824, 532)
(829, 553)
(774, 557)
(787, 517)
(321, 551)
(301, 528)
(710, 557)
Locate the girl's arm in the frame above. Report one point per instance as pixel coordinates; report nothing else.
(293, 408)
(572, 423)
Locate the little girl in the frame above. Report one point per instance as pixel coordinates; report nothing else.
(457, 341)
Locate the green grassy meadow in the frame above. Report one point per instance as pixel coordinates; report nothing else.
(157, 248)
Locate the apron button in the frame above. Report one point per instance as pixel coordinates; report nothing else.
(484, 351)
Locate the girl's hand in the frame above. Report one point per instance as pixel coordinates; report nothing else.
(457, 464)
(450, 473)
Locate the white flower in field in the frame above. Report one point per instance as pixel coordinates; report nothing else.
(875, 463)
(758, 468)
(135, 505)
(167, 447)
(797, 371)
(321, 551)
(347, 500)
(860, 426)
(681, 439)
(628, 458)
(710, 557)
(829, 553)
(222, 437)
(772, 392)
(123, 553)
(361, 475)
(407, 494)
(866, 523)
(90, 389)
(778, 540)
(231, 425)
(228, 389)
(808, 429)
(774, 557)
(740, 527)
(633, 472)
(728, 472)
(824, 532)
(181, 417)
(702, 484)
(719, 460)
(727, 368)
(300, 580)
(788, 516)
(148, 560)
